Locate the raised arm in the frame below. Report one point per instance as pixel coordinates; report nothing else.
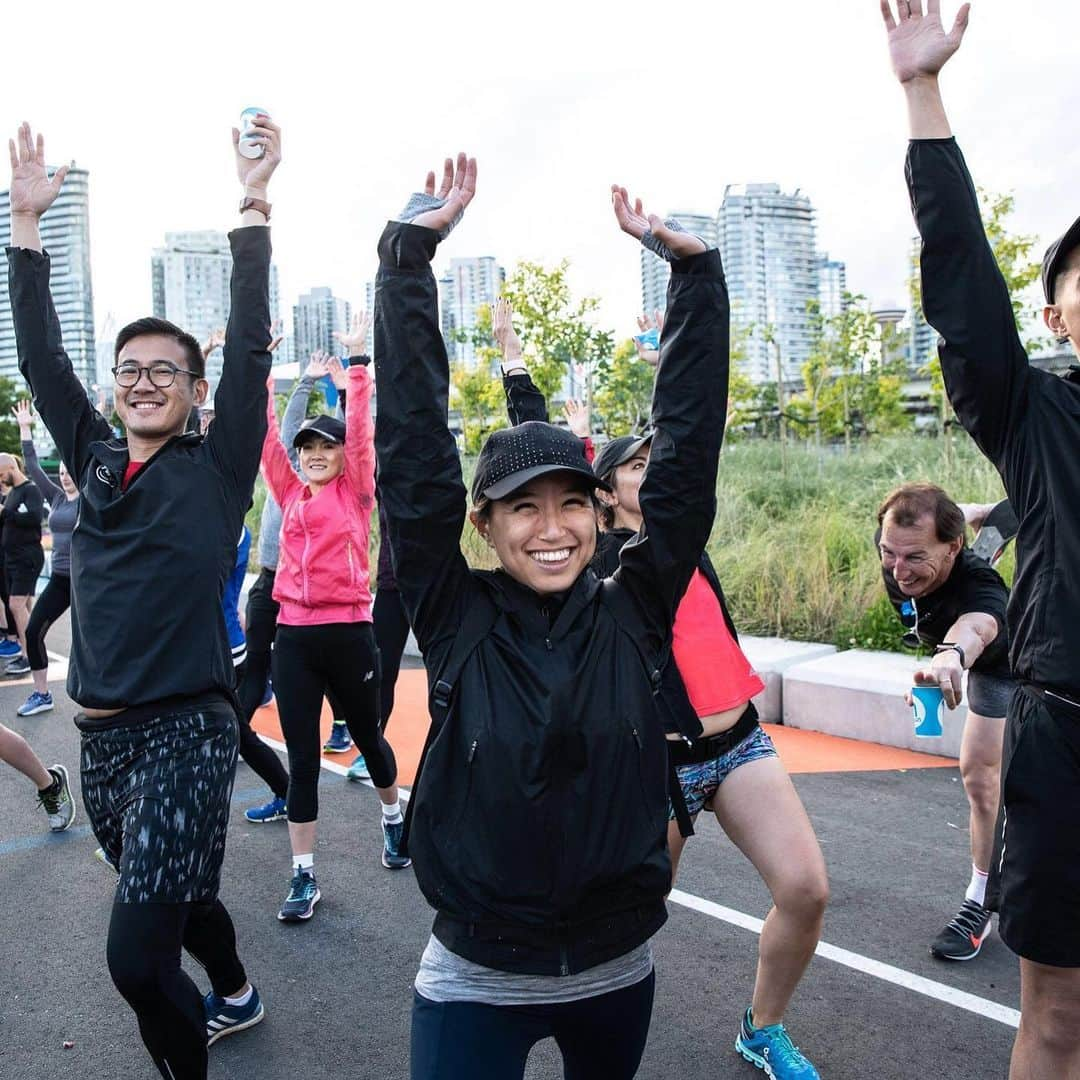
(277, 469)
(58, 395)
(296, 407)
(24, 418)
(235, 439)
(359, 430)
(523, 398)
(678, 492)
(964, 296)
(420, 480)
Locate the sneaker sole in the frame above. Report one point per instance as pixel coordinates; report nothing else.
(302, 918)
(337, 749)
(958, 959)
(399, 866)
(358, 777)
(232, 1029)
(265, 820)
(35, 711)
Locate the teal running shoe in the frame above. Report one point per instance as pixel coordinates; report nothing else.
(358, 770)
(392, 858)
(303, 896)
(771, 1049)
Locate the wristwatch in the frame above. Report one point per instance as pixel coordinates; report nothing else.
(950, 646)
(361, 359)
(248, 203)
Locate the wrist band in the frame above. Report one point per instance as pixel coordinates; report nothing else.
(950, 646)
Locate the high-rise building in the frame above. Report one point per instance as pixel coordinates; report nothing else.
(466, 286)
(190, 286)
(65, 234)
(316, 316)
(655, 272)
(922, 338)
(770, 260)
(832, 286)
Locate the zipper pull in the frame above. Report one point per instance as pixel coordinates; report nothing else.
(472, 752)
(637, 737)
(547, 642)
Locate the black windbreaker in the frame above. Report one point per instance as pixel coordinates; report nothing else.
(539, 824)
(1026, 421)
(149, 564)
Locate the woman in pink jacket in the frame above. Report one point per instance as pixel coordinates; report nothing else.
(324, 635)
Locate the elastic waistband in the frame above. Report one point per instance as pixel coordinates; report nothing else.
(1054, 699)
(712, 746)
(157, 710)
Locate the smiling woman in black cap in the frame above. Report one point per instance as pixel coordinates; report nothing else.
(324, 638)
(542, 678)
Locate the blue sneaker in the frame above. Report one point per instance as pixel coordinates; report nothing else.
(35, 703)
(340, 742)
(770, 1048)
(391, 843)
(268, 694)
(303, 896)
(225, 1019)
(358, 770)
(9, 648)
(274, 810)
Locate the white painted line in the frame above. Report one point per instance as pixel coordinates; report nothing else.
(991, 1010)
(907, 980)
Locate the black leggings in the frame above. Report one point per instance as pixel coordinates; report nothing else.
(48, 607)
(308, 661)
(391, 632)
(262, 761)
(599, 1036)
(145, 941)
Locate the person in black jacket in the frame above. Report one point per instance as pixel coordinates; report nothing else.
(539, 900)
(24, 558)
(150, 664)
(1027, 422)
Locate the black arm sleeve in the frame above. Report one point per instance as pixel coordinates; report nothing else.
(678, 491)
(523, 399)
(51, 491)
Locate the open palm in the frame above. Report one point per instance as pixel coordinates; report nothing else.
(32, 192)
(918, 44)
(458, 189)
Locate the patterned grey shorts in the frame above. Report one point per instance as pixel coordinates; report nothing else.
(157, 794)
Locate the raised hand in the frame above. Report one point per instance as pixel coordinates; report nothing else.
(214, 340)
(276, 336)
(355, 341)
(502, 329)
(645, 324)
(634, 221)
(24, 417)
(338, 375)
(918, 44)
(441, 211)
(32, 191)
(255, 173)
(318, 365)
(577, 418)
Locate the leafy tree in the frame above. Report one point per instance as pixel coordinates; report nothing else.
(622, 391)
(9, 430)
(479, 398)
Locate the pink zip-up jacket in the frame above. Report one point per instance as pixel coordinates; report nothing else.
(322, 572)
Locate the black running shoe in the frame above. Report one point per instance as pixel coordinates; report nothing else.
(964, 936)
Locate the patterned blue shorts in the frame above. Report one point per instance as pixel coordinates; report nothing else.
(699, 782)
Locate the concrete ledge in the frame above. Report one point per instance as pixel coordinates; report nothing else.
(770, 657)
(860, 695)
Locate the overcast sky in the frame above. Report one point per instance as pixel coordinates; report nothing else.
(557, 101)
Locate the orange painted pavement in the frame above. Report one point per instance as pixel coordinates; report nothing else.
(801, 751)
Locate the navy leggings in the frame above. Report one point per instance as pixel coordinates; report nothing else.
(599, 1037)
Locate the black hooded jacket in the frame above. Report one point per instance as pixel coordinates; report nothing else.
(1026, 421)
(528, 869)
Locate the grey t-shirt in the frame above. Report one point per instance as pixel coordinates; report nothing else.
(445, 976)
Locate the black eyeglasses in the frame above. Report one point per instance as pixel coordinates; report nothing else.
(909, 610)
(161, 374)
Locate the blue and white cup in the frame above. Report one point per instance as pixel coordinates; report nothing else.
(927, 704)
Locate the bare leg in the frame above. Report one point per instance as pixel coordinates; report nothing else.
(980, 769)
(15, 750)
(302, 837)
(41, 680)
(20, 608)
(784, 850)
(1047, 1045)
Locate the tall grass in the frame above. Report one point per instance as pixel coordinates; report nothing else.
(793, 541)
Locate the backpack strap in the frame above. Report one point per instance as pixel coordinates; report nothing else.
(477, 623)
(629, 621)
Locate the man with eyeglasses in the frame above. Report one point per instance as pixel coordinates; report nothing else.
(150, 664)
(951, 601)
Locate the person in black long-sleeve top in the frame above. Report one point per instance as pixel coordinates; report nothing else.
(1027, 422)
(539, 899)
(20, 533)
(150, 661)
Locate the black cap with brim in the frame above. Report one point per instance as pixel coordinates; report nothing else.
(513, 456)
(1056, 255)
(617, 452)
(329, 428)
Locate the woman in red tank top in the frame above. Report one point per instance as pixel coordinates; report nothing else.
(732, 768)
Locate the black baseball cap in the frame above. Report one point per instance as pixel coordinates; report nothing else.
(329, 428)
(513, 456)
(617, 452)
(1055, 257)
